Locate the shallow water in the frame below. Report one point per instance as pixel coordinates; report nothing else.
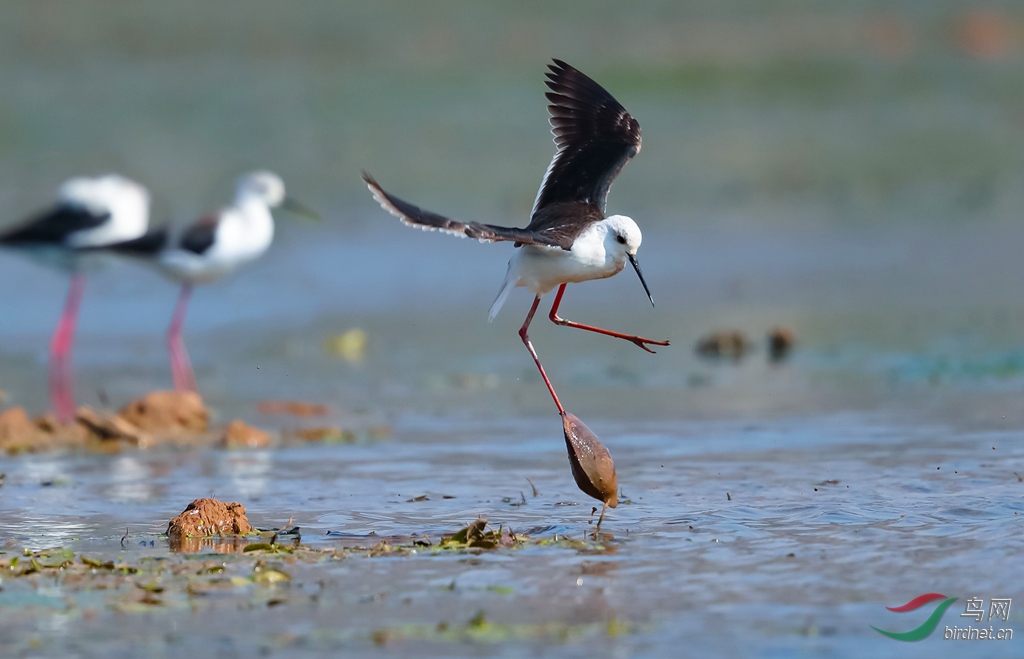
(765, 539)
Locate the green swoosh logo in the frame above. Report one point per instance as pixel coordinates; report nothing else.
(926, 628)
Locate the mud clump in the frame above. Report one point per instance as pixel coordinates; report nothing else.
(780, 343)
(326, 434)
(209, 517)
(110, 427)
(19, 434)
(592, 465)
(168, 411)
(292, 407)
(727, 344)
(157, 419)
(241, 435)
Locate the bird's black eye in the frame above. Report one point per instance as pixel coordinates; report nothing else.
(621, 238)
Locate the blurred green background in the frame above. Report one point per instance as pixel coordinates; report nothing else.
(753, 112)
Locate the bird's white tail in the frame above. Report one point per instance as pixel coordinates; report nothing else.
(511, 278)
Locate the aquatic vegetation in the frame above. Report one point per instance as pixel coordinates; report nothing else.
(257, 566)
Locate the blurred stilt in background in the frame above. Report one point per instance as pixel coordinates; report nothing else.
(181, 367)
(209, 248)
(62, 383)
(90, 213)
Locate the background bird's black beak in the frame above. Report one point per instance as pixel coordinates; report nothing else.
(636, 266)
(293, 205)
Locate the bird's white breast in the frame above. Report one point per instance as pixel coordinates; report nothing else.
(543, 268)
(244, 233)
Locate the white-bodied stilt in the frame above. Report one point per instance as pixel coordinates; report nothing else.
(89, 213)
(569, 239)
(209, 248)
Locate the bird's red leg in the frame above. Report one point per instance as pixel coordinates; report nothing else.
(529, 346)
(638, 340)
(62, 388)
(181, 368)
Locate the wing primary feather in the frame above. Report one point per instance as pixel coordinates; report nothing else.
(415, 216)
(595, 137)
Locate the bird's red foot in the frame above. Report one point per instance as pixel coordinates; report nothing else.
(642, 342)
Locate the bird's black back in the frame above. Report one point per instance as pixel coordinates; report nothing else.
(145, 245)
(52, 227)
(201, 235)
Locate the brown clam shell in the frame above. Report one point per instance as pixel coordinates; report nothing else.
(592, 465)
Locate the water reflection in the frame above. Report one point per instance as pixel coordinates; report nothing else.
(246, 472)
(216, 544)
(130, 480)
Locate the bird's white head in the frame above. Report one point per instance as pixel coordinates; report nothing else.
(266, 187)
(623, 238)
(622, 241)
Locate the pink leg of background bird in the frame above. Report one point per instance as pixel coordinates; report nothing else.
(62, 385)
(181, 368)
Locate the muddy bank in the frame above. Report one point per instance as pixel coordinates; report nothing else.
(164, 418)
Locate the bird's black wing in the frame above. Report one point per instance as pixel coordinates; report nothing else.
(201, 234)
(562, 222)
(595, 137)
(415, 216)
(52, 227)
(147, 244)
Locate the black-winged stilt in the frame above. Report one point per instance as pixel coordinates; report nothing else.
(211, 247)
(569, 238)
(89, 213)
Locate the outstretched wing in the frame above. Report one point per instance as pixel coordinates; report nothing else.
(53, 227)
(415, 216)
(595, 137)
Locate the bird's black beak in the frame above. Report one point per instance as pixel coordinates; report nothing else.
(636, 266)
(296, 207)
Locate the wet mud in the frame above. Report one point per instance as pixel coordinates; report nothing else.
(168, 418)
(209, 517)
(724, 344)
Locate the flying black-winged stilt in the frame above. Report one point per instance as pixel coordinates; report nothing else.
(211, 247)
(569, 239)
(89, 213)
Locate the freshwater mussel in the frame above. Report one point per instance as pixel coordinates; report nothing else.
(592, 465)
